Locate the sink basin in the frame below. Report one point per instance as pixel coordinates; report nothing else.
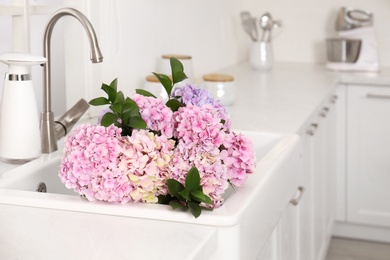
(237, 230)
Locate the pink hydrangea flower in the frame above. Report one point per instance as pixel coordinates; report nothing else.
(211, 170)
(145, 160)
(89, 164)
(156, 114)
(103, 165)
(191, 94)
(239, 157)
(200, 125)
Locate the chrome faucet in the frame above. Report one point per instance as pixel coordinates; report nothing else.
(52, 130)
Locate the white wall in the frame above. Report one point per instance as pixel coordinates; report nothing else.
(308, 22)
(37, 25)
(134, 33)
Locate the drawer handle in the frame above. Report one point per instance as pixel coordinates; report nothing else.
(312, 130)
(378, 96)
(324, 111)
(298, 196)
(333, 99)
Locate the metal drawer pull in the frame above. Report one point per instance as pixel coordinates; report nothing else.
(324, 111)
(378, 96)
(297, 198)
(333, 99)
(312, 130)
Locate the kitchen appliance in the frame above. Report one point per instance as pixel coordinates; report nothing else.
(354, 25)
(343, 49)
(19, 126)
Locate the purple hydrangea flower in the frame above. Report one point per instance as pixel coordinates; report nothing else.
(192, 95)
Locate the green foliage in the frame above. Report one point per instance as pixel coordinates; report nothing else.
(188, 197)
(178, 75)
(124, 111)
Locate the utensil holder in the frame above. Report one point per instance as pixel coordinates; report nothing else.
(261, 56)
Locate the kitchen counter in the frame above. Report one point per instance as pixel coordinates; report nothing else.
(283, 99)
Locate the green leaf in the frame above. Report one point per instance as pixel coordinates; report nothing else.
(200, 196)
(130, 107)
(144, 93)
(177, 70)
(99, 101)
(109, 119)
(173, 104)
(110, 92)
(178, 77)
(175, 204)
(185, 194)
(164, 199)
(137, 122)
(165, 81)
(114, 84)
(120, 98)
(175, 187)
(195, 209)
(116, 107)
(193, 180)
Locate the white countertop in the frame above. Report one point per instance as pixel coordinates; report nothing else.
(283, 99)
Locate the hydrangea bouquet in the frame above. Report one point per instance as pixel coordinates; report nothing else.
(182, 152)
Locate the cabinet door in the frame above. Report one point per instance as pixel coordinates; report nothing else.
(317, 172)
(271, 248)
(283, 243)
(368, 155)
(316, 214)
(289, 234)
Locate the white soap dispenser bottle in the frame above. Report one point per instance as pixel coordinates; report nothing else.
(19, 122)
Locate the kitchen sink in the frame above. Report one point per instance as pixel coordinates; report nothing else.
(32, 195)
(41, 175)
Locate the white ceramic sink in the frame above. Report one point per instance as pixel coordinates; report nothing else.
(31, 176)
(234, 231)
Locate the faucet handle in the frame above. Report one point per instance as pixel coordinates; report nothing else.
(66, 122)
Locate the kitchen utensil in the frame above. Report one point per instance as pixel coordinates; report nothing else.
(19, 127)
(249, 24)
(266, 23)
(343, 49)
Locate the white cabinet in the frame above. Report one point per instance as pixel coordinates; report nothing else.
(319, 160)
(284, 242)
(304, 230)
(368, 155)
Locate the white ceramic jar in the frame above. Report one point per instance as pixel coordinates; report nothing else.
(222, 87)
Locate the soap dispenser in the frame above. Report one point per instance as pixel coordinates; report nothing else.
(19, 123)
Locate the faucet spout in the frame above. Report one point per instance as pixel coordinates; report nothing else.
(48, 129)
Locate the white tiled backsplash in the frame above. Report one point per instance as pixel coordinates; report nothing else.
(133, 34)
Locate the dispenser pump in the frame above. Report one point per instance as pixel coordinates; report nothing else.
(19, 123)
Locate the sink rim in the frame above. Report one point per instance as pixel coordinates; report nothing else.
(227, 215)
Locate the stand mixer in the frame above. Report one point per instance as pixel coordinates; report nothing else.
(358, 25)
